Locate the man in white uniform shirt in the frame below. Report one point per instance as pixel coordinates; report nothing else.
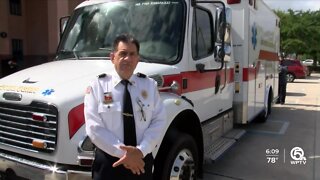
(105, 117)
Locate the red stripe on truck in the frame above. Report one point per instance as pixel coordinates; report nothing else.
(250, 73)
(196, 81)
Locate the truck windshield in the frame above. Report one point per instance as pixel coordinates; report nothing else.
(158, 25)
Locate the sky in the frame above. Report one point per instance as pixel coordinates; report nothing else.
(296, 5)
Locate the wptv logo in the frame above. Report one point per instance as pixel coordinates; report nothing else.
(297, 154)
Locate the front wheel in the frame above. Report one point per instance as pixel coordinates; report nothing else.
(181, 160)
(264, 115)
(309, 71)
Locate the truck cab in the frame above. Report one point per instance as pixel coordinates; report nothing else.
(186, 46)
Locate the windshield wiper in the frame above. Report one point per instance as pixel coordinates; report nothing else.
(75, 55)
(64, 52)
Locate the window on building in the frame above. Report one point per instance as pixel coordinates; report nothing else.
(17, 47)
(202, 34)
(15, 7)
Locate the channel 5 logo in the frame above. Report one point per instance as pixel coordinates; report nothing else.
(297, 154)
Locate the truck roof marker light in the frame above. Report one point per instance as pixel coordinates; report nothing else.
(75, 119)
(39, 144)
(233, 1)
(39, 117)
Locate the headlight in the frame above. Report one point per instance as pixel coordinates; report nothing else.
(86, 145)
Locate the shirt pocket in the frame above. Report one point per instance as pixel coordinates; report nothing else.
(110, 114)
(143, 113)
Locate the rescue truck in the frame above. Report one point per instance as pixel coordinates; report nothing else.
(215, 62)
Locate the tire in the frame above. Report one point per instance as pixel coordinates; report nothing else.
(264, 115)
(309, 71)
(290, 77)
(180, 161)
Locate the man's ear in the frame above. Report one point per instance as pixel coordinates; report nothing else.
(112, 56)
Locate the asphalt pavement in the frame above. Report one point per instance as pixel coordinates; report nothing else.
(287, 146)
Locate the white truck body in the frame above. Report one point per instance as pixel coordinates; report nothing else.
(42, 133)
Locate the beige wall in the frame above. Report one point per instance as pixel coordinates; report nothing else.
(57, 7)
(38, 27)
(17, 24)
(73, 4)
(4, 43)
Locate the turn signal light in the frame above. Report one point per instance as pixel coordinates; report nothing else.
(85, 161)
(39, 144)
(39, 117)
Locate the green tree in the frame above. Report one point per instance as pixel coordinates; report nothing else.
(300, 33)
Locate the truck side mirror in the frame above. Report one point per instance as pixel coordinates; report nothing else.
(220, 25)
(220, 34)
(227, 35)
(219, 53)
(227, 51)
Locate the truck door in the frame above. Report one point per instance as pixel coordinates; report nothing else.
(206, 78)
(258, 82)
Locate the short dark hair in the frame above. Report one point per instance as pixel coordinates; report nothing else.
(126, 38)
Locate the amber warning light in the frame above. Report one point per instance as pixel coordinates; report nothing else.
(39, 144)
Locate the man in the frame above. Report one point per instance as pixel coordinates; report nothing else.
(124, 151)
(283, 70)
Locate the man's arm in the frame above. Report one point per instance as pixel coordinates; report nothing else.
(95, 129)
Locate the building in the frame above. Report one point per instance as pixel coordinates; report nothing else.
(29, 31)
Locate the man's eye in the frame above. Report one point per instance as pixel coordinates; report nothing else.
(123, 54)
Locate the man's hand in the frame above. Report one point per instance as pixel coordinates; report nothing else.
(133, 160)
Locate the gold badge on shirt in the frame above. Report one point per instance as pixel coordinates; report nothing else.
(144, 94)
(107, 98)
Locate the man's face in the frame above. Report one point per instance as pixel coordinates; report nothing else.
(125, 59)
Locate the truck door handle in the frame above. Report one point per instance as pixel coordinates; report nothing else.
(217, 84)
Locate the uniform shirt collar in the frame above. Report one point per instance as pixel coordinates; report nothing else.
(117, 80)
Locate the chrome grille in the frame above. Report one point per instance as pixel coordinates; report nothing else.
(19, 129)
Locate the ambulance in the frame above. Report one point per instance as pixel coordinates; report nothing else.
(215, 62)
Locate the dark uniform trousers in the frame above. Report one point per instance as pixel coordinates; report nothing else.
(282, 86)
(102, 168)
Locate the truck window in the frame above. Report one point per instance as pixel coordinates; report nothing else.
(158, 25)
(202, 34)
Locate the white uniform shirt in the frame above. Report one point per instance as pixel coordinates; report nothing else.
(103, 113)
